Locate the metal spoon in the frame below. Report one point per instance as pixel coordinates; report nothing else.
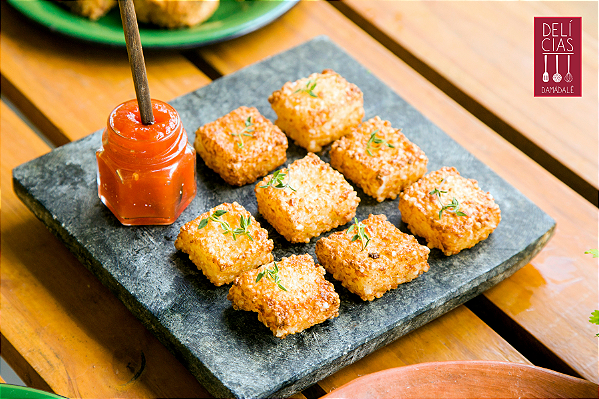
(545, 74)
(568, 78)
(557, 77)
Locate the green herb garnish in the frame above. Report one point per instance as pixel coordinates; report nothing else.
(360, 233)
(273, 275)
(244, 223)
(276, 181)
(248, 131)
(375, 140)
(453, 206)
(309, 88)
(593, 252)
(594, 318)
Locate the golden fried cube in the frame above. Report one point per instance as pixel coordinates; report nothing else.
(451, 212)
(175, 14)
(306, 199)
(289, 296)
(241, 146)
(374, 262)
(379, 159)
(92, 9)
(317, 110)
(225, 242)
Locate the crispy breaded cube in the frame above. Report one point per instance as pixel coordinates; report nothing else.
(92, 9)
(306, 199)
(215, 245)
(375, 263)
(241, 146)
(451, 212)
(317, 110)
(289, 296)
(175, 14)
(379, 159)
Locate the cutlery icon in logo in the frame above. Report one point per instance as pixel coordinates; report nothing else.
(568, 78)
(557, 77)
(545, 74)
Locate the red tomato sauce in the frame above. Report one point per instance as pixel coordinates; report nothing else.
(146, 173)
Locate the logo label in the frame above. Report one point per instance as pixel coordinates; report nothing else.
(558, 57)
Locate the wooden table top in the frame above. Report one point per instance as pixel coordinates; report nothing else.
(64, 332)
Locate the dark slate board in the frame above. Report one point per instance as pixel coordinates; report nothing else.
(231, 352)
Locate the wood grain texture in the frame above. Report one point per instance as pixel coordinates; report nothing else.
(485, 50)
(68, 88)
(553, 296)
(427, 344)
(71, 334)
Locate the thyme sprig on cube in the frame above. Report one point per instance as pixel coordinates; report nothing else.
(273, 275)
(310, 86)
(276, 181)
(453, 206)
(244, 224)
(248, 131)
(360, 233)
(375, 140)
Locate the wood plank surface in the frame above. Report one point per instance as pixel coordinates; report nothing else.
(67, 88)
(559, 287)
(485, 50)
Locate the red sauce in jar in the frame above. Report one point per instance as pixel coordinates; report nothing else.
(146, 173)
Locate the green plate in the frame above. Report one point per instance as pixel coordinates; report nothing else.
(233, 18)
(17, 392)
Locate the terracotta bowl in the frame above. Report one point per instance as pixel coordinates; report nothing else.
(466, 379)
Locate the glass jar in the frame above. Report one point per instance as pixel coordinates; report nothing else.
(146, 173)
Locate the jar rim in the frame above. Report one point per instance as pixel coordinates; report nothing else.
(168, 136)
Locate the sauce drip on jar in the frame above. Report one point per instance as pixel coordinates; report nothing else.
(146, 173)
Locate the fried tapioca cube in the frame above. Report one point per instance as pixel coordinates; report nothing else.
(289, 296)
(379, 159)
(451, 212)
(225, 242)
(175, 14)
(92, 9)
(317, 110)
(241, 146)
(379, 259)
(306, 199)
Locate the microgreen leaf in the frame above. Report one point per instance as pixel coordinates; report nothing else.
(593, 252)
(375, 140)
(273, 275)
(244, 223)
(360, 233)
(276, 181)
(310, 86)
(202, 223)
(248, 131)
(453, 206)
(594, 318)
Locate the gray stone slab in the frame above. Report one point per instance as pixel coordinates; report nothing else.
(231, 352)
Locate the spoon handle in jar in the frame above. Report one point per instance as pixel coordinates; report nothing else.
(136, 60)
